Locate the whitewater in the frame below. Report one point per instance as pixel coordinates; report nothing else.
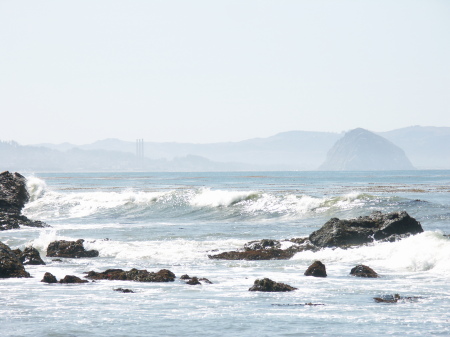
(174, 221)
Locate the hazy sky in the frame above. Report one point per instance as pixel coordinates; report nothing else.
(207, 71)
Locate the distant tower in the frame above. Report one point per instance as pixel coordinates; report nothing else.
(140, 150)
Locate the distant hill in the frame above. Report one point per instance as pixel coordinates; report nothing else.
(362, 150)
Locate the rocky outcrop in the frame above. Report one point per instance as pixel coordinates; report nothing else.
(72, 279)
(163, 275)
(268, 285)
(317, 269)
(49, 278)
(362, 150)
(269, 254)
(377, 226)
(10, 264)
(363, 271)
(29, 256)
(69, 249)
(13, 197)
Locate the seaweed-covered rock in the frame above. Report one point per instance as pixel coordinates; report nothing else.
(264, 254)
(70, 249)
(363, 271)
(10, 264)
(317, 269)
(268, 285)
(377, 226)
(72, 279)
(163, 275)
(13, 197)
(49, 278)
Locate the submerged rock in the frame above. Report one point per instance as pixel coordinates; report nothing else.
(262, 244)
(377, 226)
(70, 249)
(49, 278)
(122, 290)
(317, 269)
(72, 279)
(10, 264)
(268, 285)
(395, 298)
(13, 197)
(363, 271)
(265, 254)
(163, 275)
(193, 281)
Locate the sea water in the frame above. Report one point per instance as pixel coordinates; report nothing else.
(174, 221)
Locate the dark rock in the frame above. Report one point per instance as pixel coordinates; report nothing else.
(10, 264)
(163, 275)
(72, 279)
(266, 254)
(205, 280)
(122, 290)
(363, 271)
(317, 269)
(377, 226)
(31, 256)
(395, 298)
(193, 281)
(56, 260)
(262, 244)
(49, 278)
(13, 197)
(71, 249)
(270, 286)
(185, 277)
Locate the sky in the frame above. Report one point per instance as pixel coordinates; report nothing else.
(213, 71)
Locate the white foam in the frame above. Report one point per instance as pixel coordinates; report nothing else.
(36, 187)
(215, 198)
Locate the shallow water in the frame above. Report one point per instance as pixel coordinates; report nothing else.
(174, 220)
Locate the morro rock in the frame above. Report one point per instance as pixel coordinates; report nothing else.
(362, 150)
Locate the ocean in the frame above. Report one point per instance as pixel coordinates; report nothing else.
(174, 221)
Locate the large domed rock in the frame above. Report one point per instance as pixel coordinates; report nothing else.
(362, 150)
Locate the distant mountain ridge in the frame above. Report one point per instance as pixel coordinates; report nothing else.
(362, 150)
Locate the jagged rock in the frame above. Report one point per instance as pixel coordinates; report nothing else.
(10, 264)
(193, 281)
(265, 254)
(377, 226)
(317, 269)
(72, 279)
(49, 278)
(363, 271)
(122, 290)
(268, 285)
(13, 197)
(70, 249)
(362, 150)
(262, 244)
(31, 256)
(163, 275)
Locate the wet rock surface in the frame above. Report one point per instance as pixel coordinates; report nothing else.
(124, 290)
(49, 278)
(317, 269)
(163, 275)
(377, 226)
(72, 279)
(13, 197)
(10, 264)
(396, 298)
(264, 254)
(268, 285)
(69, 249)
(29, 256)
(363, 271)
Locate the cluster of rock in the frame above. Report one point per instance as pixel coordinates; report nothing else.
(137, 275)
(68, 279)
(13, 197)
(69, 249)
(335, 233)
(194, 280)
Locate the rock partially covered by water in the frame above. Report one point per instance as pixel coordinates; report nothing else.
(29, 256)
(264, 254)
(163, 275)
(363, 271)
(13, 197)
(72, 279)
(10, 264)
(317, 269)
(262, 244)
(70, 249)
(377, 226)
(49, 278)
(268, 285)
